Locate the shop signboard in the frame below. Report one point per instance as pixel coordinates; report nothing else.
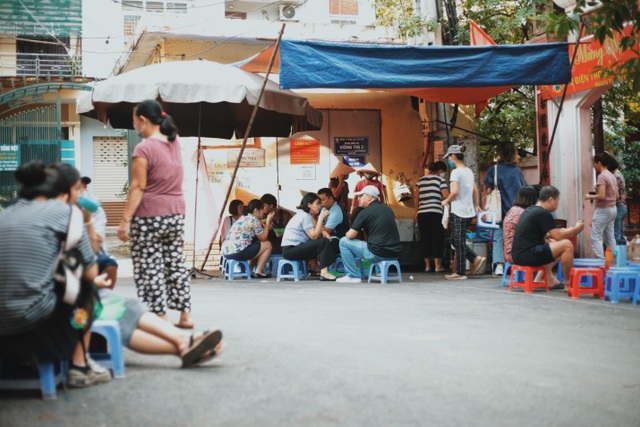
(251, 157)
(9, 157)
(351, 145)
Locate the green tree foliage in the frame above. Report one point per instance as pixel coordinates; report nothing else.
(401, 15)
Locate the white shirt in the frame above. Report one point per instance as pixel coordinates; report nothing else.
(462, 205)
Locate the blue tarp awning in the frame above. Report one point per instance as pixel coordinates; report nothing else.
(454, 74)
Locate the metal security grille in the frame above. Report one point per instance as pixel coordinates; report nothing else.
(110, 168)
(30, 135)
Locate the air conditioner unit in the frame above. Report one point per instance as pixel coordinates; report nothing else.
(287, 12)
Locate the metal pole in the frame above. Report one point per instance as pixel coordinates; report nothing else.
(246, 137)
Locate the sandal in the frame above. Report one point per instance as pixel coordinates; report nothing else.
(184, 325)
(210, 355)
(198, 347)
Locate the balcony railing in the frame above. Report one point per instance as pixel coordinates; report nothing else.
(40, 65)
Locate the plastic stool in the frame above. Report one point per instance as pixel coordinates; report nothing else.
(291, 269)
(114, 359)
(621, 282)
(522, 277)
(230, 272)
(382, 267)
(45, 376)
(272, 263)
(594, 286)
(506, 275)
(339, 266)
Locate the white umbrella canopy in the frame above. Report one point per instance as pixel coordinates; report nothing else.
(204, 98)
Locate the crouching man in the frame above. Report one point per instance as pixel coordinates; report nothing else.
(538, 240)
(383, 240)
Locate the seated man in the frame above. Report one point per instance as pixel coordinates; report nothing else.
(336, 224)
(536, 223)
(280, 221)
(378, 221)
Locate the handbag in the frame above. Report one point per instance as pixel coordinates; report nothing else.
(494, 200)
(68, 267)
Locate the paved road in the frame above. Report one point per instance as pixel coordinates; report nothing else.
(423, 353)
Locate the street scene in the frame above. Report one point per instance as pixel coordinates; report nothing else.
(301, 213)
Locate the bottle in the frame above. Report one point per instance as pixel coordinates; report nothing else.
(635, 249)
(608, 258)
(88, 203)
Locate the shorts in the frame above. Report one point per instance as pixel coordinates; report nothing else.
(247, 253)
(105, 261)
(535, 256)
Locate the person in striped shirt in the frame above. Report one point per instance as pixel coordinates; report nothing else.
(431, 189)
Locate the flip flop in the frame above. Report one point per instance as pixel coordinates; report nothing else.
(198, 347)
(209, 355)
(184, 325)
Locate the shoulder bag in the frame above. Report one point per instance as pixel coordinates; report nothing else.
(494, 200)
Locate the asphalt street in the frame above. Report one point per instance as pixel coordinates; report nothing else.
(426, 352)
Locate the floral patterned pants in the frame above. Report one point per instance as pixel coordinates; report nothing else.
(158, 263)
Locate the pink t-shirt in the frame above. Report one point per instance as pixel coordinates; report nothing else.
(163, 195)
(607, 179)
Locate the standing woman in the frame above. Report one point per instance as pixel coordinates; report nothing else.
(605, 212)
(247, 239)
(303, 239)
(509, 181)
(621, 203)
(465, 203)
(154, 215)
(432, 189)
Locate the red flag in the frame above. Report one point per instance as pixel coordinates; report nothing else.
(479, 38)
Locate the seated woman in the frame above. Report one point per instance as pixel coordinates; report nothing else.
(34, 320)
(247, 239)
(141, 330)
(236, 210)
(303, 237)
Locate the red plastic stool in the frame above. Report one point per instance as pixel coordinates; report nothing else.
(528, 285)
(597, 282)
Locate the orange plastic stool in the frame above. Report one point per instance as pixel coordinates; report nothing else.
(528, 285)
(597, 282)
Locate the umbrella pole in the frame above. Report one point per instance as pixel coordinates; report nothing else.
(194, 271)
(246, 134)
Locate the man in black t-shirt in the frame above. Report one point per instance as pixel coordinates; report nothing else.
(530, 246)
(378, 221)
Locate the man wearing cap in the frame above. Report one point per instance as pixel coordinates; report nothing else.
(371, 177)
(378, 221)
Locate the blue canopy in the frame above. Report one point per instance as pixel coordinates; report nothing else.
(423, 70)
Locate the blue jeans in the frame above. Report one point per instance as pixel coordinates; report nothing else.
(618, 225)
(350, 249)
(498, 251)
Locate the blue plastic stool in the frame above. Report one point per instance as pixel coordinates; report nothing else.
(114, 358)
(506, 275)
(382, 267)
(272, 264)
(621, 282)
(230, 272)
(291, 269)
(46, 376)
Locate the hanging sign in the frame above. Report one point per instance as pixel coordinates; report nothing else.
(351, 145)
(9, 157)
(304, 151)
(591, 58)
(251, 158)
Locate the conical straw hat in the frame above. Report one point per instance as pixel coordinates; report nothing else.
(341, 170)
(367, 168)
